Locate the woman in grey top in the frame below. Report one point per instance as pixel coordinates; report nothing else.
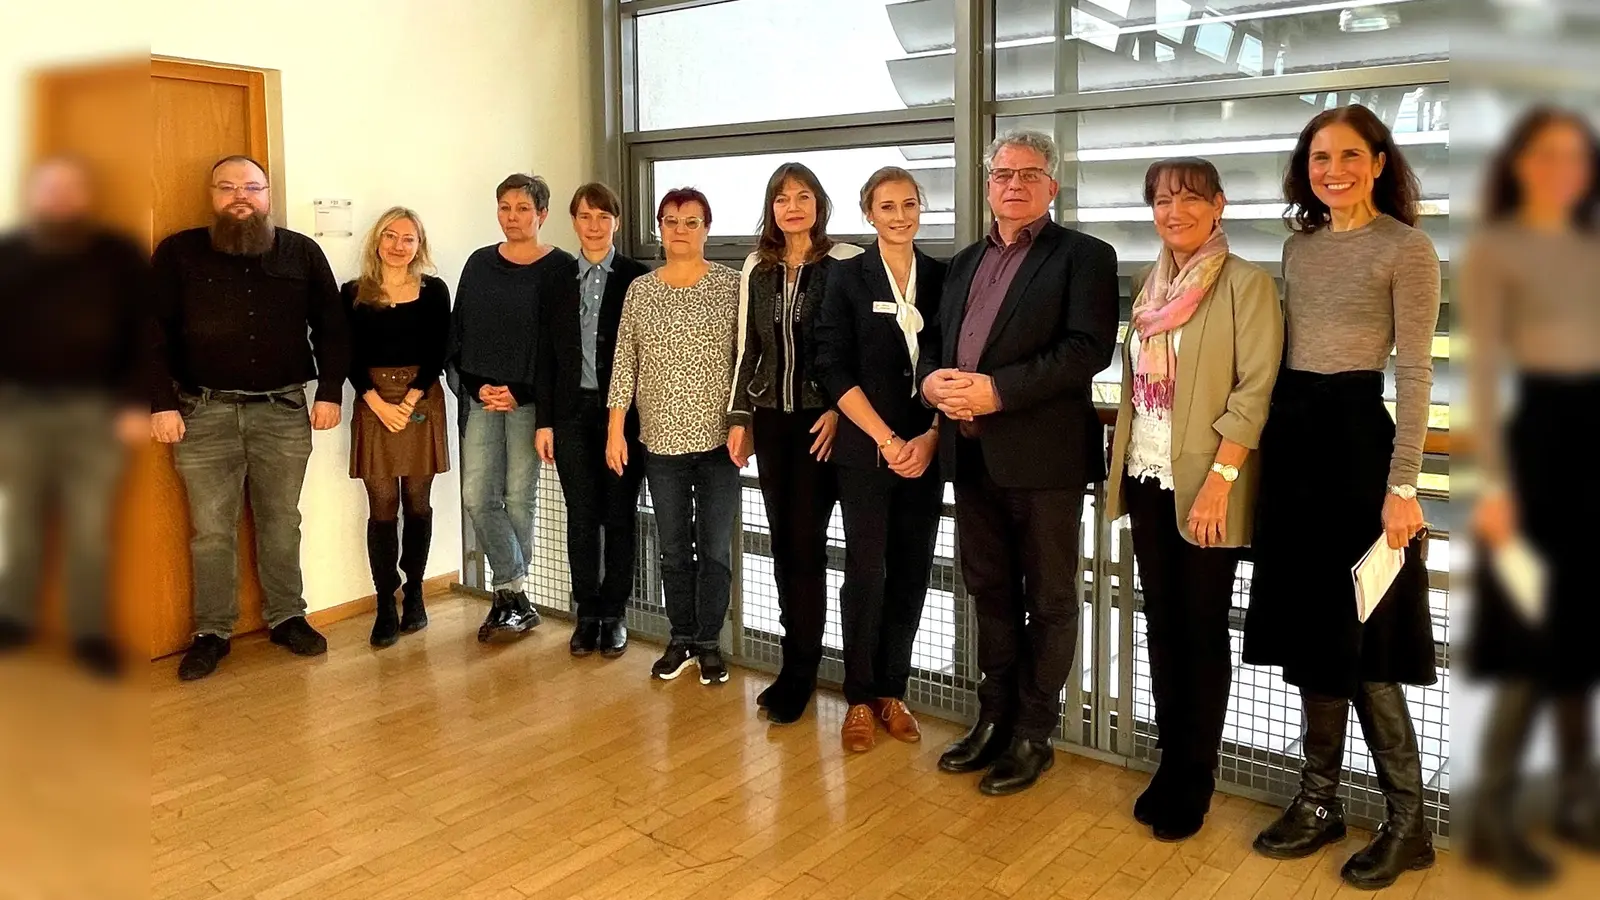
(674, 364)
(1337, 473)
(1530, 305)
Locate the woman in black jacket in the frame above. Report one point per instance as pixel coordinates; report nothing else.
(777, 408)
(880, 312)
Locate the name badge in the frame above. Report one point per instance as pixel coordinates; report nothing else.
(885, 306)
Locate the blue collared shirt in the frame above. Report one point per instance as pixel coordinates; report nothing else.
(591, 293)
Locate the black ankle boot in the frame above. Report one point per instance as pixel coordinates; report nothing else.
(1315, 818)
(382, 552)
(788, 697)
(1403, 843)
(414, 543)
(1497, 839)
(1152, 803)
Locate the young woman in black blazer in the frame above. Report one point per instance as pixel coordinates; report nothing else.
(880, 314)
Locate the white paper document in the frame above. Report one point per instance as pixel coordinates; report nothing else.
(1374, 574)
(1522, 574)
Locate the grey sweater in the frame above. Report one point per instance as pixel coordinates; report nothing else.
(1351, 297)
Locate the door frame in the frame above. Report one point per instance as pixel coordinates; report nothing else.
(265, 87)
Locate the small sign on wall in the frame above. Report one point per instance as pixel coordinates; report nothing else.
(333, 218)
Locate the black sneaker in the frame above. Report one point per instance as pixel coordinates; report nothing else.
(511, 617)
(99, 656)
(298, 635)
(202, 657)
(673, 662)
(712, 668)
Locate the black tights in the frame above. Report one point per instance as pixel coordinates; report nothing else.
(384, 498)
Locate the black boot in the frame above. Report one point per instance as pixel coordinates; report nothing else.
(1497, 840)
(383, 551)
(787, 697)
(1578, 811)
(1315, 818)
(585, 637)
(414, 543)
(1402, 844)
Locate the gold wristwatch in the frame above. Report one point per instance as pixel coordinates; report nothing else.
(1230, 474)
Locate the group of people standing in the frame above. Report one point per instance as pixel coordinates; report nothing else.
(867, 377)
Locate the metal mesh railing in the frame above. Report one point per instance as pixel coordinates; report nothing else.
(1110, 685)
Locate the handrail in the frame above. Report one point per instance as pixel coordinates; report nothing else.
(1437, 443)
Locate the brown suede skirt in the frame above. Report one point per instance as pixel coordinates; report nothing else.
(419, 449)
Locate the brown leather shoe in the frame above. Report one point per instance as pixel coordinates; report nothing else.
(859, 733)
(897, 719)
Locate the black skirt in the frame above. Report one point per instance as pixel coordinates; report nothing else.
(1324, 467)
(1554, 421)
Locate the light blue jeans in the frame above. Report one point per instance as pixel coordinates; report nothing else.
(499, 480)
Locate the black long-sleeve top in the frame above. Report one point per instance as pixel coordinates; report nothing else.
(406, 334)
(76, 318)
(494, 333)
(240, 323)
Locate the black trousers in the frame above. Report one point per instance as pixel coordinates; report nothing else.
(1188, 591)
(799, 492)
(1019, 558)
(890, 525)
(602, 512)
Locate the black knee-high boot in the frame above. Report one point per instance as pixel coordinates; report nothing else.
(1403, 842)
(383, 551)
(1315, 818)
(1498, 838)
(418, 536)
(1578, 811)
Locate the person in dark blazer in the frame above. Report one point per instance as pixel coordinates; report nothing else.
(580, 335)
(1029, 318)
(877, 319)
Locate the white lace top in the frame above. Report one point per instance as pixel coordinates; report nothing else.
(1150, 432)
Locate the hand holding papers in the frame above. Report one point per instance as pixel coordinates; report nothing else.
(1522, 574)
(1374, 574)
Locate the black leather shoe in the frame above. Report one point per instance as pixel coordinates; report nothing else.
(1304, 828)
(413, 612)
(299, 637)
(585, 637)
(977, 750)
(613, 640)
(1018, 768)
(1390, 855)
(99, 656)
(202, 656)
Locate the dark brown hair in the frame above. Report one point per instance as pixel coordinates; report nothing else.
(680, 196)
(1186, 173)
(889, 175)
(769, 247)
(1503, 192)
(599, 197)
(532, 185)
(1395, 192)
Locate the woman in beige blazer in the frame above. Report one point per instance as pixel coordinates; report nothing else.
(1198, 366)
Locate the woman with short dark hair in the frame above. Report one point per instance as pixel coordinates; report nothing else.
(1528, 301)
(778, 409)
(494, 352)
(1361, 282)
(1197, 373)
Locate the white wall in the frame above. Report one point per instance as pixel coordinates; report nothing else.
(411, 102)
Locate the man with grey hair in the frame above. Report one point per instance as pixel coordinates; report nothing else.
(1029, 318)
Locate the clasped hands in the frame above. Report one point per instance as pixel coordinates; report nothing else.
(962, 396)
(394, 416)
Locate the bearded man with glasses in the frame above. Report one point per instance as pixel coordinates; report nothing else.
(234, 303)
(1029, 317)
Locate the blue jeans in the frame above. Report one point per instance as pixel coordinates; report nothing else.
(499, 477)
(227, 449)
(696, 499)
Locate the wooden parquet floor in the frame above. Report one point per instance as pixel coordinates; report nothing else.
(442, 769)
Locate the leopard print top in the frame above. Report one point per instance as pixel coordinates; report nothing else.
(674, 360)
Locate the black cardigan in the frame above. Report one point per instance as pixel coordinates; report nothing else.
(858, 346)
(560, 370)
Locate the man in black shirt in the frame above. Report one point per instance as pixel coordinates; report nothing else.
(233, 303)
(74, 300)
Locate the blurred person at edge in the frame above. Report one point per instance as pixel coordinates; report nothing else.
(74, 299)
(234, 301)
(1530, 304)
(778, 408)
(1360, 281)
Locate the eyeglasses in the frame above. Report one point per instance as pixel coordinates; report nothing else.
(404, 240)
(254, 189)
(671, 223)
(1030, 176)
